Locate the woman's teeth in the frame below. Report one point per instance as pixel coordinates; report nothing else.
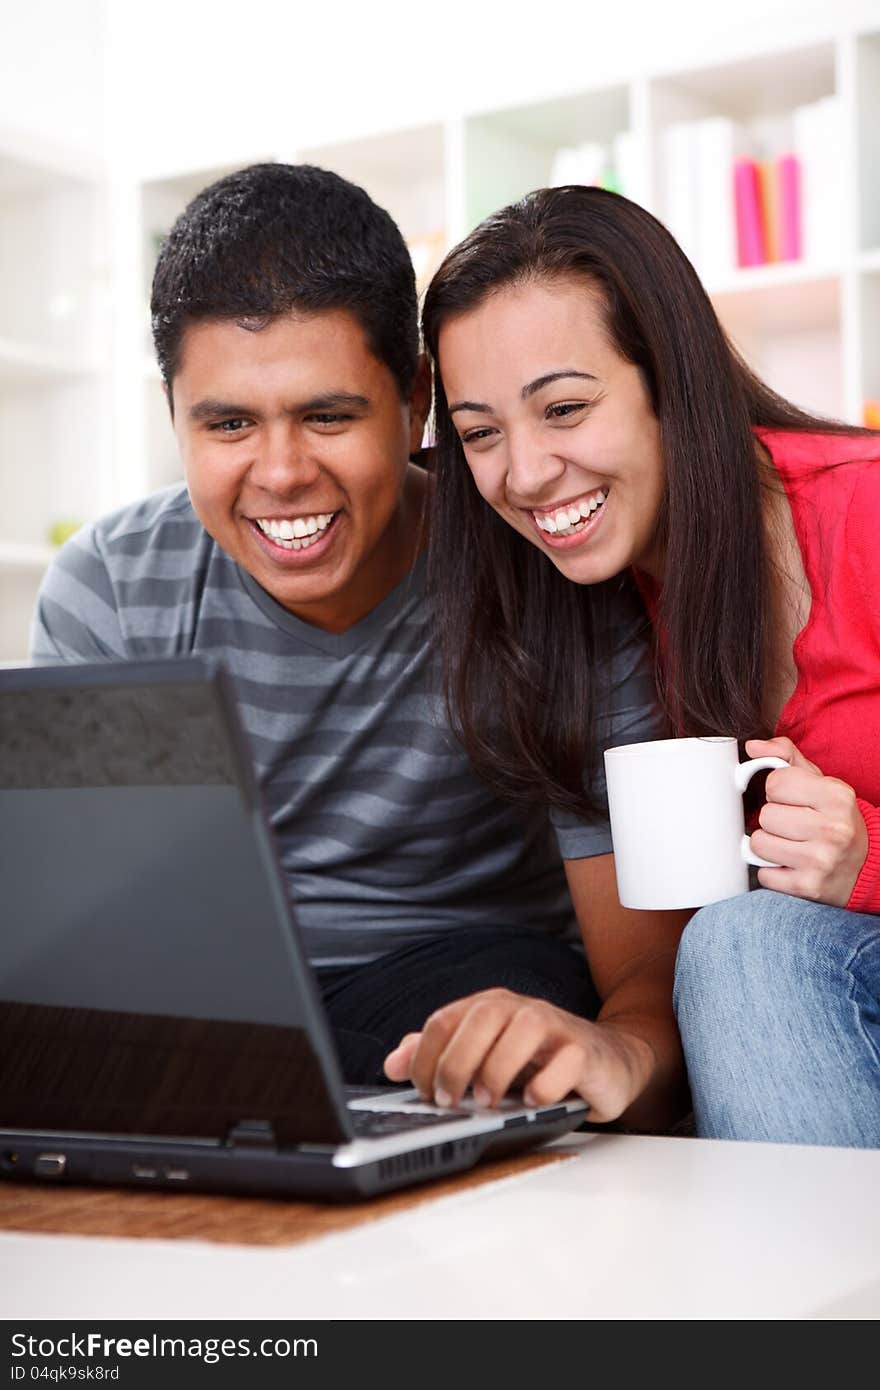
(566, 520)
(298, 534)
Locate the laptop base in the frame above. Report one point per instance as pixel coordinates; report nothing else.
(292, 1174)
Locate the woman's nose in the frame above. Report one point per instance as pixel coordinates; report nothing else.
(532, 469)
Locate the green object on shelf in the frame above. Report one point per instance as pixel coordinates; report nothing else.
(61, 531)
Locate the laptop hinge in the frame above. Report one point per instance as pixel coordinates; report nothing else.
(252, 1134)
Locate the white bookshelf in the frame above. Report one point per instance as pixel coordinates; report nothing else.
(54, 442)
(811, 327)
(808, 326)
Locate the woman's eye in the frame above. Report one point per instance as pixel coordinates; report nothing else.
(565, 408)
(474, 436)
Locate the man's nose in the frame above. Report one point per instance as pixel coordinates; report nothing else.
(284, 463)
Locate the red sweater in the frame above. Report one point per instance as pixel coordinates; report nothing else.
(833, 716)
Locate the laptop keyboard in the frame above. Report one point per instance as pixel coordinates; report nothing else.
(373, 1124)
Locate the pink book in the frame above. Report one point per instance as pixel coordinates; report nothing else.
(789, 186)
(750, 248)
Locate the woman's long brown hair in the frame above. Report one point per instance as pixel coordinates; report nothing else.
(526, 652)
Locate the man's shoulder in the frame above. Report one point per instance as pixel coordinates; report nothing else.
(147, 558)
(163, 520)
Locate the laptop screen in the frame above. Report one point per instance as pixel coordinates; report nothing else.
(151, 981)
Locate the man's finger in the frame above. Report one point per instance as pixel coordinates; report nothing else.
(397, 1064)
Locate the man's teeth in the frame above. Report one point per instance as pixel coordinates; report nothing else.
(298, 534)
(574, 517)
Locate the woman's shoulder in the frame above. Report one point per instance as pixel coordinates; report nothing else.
(833, 485)
(801, 454)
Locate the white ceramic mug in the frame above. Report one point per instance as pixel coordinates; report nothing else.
(677, 821)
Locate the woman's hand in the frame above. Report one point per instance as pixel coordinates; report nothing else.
(811, 826)
(496, 1040)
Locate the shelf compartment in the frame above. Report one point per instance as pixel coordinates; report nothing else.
(792, 294)
(18, 556)
(22, 364)
(868, 138)
(869, 316)
(509, 153)
(789, 330)
(705, 120)
(747, 89)
(55, 460)
(53, 252)
(404, 172)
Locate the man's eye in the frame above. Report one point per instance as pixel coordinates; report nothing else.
(324, 417)
(229, 426)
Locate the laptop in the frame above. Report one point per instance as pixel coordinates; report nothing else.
(160, 1025)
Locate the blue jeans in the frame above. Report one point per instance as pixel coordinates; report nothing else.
(778, 1003)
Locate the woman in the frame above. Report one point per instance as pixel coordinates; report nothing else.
(588, 395)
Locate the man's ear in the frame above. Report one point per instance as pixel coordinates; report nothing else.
(419, 403)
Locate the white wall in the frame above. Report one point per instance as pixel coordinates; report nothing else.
(52, 70)
(176, 84)
(193, 83)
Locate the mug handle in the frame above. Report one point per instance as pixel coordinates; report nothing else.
(742, 775)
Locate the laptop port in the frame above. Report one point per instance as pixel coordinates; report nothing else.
(176, 1174)
(142, 1170)
(50, 1165)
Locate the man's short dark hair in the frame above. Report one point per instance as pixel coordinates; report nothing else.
(279, 237)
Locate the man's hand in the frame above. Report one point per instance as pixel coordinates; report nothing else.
(496, 1040)
(811, 826)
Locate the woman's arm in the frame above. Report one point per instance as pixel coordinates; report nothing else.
(631, 955)
(627, 1063)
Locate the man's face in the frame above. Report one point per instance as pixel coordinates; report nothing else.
(295, 446)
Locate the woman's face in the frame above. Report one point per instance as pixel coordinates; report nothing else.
(557, 427)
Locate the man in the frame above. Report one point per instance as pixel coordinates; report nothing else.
(285, 325)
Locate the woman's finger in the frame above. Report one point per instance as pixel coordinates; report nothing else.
(780, 747)
(565, 1072)
(796, 786)
(434, 1038)
(788, 822)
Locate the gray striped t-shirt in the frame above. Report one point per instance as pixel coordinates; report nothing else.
(383, 829)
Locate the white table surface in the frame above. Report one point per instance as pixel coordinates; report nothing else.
(628, 1227)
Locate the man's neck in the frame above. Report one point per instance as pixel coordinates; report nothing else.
(393, 558)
